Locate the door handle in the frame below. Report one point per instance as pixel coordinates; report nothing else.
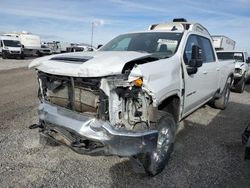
(204, 72)
(218, 69)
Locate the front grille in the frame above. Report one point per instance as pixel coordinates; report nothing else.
(84, 100)
(78, 94)
(15, 52)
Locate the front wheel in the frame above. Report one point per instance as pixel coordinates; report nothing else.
(221, 103)
(156, 161)
(22, 56)
(4, 55)
(240, 87)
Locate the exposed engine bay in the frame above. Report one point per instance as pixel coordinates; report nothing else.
(115, 99)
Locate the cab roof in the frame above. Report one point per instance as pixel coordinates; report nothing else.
(8, 38)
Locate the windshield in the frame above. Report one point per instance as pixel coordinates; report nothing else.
(158, 43)
(12, 43)
(237, 56)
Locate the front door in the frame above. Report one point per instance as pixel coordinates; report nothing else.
(200, 86)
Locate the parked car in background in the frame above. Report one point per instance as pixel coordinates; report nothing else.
(80, 48)
(45, 50)
(127, 98)
(31, 42)
(242, 67)
(10, 47)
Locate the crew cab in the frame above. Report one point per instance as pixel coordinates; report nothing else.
(127, 98)
(242, 70)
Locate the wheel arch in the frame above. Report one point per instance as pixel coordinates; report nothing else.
(171, 104)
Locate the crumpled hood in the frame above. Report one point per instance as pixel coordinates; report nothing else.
(86, 64)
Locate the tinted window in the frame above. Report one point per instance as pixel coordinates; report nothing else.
(192, 40)
(237, 56)
(1, 44)
(225, 55)
(207, 50)
(12, 43)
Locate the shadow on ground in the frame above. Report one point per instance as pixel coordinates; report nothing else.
(205, 155)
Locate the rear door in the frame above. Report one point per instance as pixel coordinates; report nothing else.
(210, 65)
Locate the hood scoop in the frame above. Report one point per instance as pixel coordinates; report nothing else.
(72, 59)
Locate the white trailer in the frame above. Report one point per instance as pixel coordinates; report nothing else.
(222, 42)
(31, 43)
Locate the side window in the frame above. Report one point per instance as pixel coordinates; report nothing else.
(192, 40)
(207, 50)
(1, 43)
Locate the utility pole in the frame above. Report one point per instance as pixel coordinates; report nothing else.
(92, 33)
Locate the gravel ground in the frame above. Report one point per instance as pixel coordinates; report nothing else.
(208, 150)
(7, 64)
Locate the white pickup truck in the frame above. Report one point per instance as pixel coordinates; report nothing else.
(242, 67)
(127, 98)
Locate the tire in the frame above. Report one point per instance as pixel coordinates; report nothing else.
(39, 54)
(221, 103)
(44, 140)
(240, 87)
(156, 161)
(4, 55)
(22, 56)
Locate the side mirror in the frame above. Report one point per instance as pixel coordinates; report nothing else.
(248, 61)
(99, 46)
(196, 60)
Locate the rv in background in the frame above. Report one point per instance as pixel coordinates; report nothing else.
(10, 47)
(31, 43)
(222, 42)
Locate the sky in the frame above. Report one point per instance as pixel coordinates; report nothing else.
(70, 20)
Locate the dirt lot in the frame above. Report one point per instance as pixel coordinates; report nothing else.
(7, 64)
(208, 150)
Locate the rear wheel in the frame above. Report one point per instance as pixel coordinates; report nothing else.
(221, 103)
(156, 161)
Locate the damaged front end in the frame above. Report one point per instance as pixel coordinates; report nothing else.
(110, 115)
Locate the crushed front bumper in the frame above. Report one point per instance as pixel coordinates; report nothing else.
(110, 140)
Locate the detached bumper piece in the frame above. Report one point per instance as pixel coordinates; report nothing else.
(87, 135)
(246, 141)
